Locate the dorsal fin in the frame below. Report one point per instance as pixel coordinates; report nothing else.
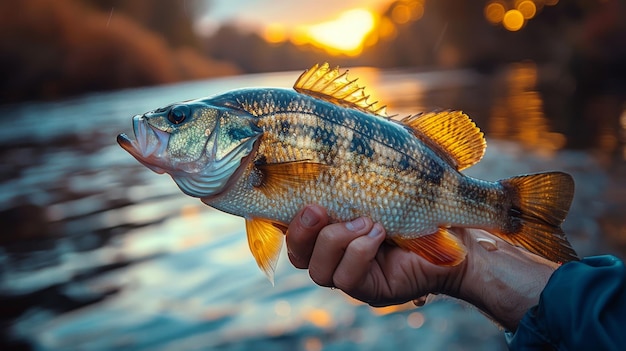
(453, 132)
(333, 86)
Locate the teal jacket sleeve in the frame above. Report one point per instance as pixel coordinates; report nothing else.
(583, 307)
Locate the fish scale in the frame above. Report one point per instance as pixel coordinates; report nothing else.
(264, 153)
(324, 130)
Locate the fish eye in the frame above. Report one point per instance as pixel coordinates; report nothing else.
(178, 114)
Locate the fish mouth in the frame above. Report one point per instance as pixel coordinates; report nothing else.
(148, 147)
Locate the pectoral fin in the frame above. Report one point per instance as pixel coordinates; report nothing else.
(265, 239)
(441, 248)
(279, 177)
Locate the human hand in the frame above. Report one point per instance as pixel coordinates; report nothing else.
(355, 258)
(502, 280)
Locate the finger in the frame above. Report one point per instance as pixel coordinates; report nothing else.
(302, 233)
(330, 247)
(355, 267)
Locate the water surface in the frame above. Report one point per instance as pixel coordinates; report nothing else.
(98, 252)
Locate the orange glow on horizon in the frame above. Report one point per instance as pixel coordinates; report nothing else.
(275, 33)
(345, 34)
(351, 30)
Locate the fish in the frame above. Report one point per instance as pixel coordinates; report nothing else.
(264, 153)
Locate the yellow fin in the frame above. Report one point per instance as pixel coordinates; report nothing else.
(265, 239)
(453, 132)
(329, 84)
(540, 204)
(279, 177)
(441, 248)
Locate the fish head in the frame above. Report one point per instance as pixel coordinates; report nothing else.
(199, 145)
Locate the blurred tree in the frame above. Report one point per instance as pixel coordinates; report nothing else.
(50, 49)
(253, 54)
(173, 20)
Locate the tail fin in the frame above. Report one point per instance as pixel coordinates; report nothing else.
(540, 203)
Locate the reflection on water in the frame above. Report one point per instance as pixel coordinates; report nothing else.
(100, 253)
(519, 114)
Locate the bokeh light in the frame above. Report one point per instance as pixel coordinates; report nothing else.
(514, 14)
(494, 12)
(513, 20)
(527, 8)
(415, 320)
(401, 14)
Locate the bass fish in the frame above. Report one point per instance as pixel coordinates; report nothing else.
(264, 153)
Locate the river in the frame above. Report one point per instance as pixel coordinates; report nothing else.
(98, 253)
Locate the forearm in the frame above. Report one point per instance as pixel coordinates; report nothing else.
(503, 283)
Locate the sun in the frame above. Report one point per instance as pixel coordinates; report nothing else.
(345, 34)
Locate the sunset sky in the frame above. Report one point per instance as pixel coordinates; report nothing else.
(341, 25)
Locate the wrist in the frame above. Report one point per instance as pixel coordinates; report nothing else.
(503, 283)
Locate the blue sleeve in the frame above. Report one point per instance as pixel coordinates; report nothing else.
(583, 307)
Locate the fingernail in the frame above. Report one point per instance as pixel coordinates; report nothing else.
(376, 231)
(356, 224)
(309, 218)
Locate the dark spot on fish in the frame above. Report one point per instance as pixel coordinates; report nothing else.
(284, 128)
(467, 190)
(242, 129)
(256, 177)
(324, 137)
(514, 224)
(361, 146)
(515, 212)
(237, 134)
(260, 161)
(404, 163)
(432, 172)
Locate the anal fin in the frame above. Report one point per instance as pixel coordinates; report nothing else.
(441, 248)
(265, 239)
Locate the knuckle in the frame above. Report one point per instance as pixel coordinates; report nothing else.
(295, 237)
(334, 233)
(360, 249)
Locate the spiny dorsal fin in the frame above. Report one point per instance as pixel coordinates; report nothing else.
(333, 86)
(453, 132)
